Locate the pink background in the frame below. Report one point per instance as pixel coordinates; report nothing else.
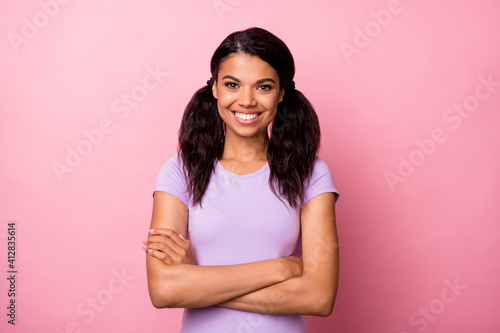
(417, 218)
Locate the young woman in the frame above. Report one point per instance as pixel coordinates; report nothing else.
(244, 199)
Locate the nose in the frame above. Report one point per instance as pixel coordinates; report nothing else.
(247, 98)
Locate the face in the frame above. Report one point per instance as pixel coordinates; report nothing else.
(248, 93)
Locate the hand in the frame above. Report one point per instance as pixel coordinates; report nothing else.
(294, 266)
(170, 247)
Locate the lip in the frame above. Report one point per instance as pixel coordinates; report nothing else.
(243, 121)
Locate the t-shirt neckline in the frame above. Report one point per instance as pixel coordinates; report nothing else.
(248, 175)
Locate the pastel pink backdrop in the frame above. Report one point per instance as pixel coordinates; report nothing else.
(417, 216)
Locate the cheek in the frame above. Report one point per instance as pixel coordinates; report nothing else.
(271, 103)
(223, 108)
(220, 110)
(224, 101)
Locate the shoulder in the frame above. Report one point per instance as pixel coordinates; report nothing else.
(173, 164)
(320, 181)
(174, 161)
(320, 165)
(172, 169)
(171, 179)
(320, 170)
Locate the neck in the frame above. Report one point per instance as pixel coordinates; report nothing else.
(245, 149)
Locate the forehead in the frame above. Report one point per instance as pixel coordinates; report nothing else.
(246, 67)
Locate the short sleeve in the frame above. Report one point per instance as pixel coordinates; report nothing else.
(171, 179)
(321, 181)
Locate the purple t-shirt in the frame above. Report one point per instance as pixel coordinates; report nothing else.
(240, 221)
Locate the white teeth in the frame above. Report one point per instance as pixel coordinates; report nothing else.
(246, 116)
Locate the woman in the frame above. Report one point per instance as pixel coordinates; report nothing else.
(237, 207)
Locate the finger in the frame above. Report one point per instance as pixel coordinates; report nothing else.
(172, 234)
(184, 239)
(159, 255)
(163, 240)
(168, 247)
(176, 247)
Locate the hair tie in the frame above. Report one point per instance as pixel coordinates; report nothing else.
(210, 82)
(292, 85)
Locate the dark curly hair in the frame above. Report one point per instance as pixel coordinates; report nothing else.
(295, 137)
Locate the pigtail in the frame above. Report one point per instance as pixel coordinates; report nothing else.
(200, 141)
(293, 146)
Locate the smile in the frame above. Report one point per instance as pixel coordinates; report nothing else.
(246, 116)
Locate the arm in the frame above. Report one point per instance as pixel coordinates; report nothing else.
(186, 285)
(315, 291)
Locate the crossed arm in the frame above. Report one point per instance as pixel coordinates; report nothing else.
(278, 286)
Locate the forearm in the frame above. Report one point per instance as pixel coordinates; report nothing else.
(297, 296)
(199, 286)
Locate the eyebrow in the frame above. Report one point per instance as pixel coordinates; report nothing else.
(267, 79)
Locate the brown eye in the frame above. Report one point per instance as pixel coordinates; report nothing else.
(265, 87)
(231, 85)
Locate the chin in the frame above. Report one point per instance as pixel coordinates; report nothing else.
(249, 133)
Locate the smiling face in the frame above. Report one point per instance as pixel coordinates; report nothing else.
(248, 93)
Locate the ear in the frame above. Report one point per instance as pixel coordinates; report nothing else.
(214, 89)
(282, 95)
